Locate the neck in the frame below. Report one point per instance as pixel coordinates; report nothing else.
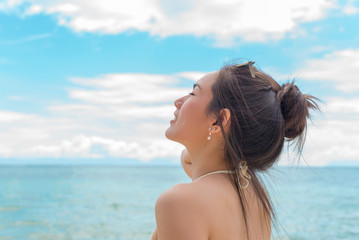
(207, 159)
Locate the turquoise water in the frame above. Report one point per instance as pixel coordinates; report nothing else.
(91, 202)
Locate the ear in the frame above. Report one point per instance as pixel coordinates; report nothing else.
(225, 116)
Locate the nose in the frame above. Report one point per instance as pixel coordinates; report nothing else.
(178, 103)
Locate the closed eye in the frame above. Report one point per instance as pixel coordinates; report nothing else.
(194, 86)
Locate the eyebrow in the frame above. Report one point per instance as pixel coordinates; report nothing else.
(196, 85)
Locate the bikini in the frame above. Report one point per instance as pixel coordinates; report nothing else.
(210, 173)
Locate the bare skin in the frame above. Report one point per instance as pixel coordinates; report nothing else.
(208, 208)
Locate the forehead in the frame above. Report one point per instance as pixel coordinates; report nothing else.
(207, 80)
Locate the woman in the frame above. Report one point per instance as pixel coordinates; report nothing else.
(233, 124)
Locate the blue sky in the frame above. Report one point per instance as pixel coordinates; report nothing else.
(93, 83)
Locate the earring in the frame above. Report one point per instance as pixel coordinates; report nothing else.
(209, 136)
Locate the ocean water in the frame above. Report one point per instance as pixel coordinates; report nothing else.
(115, 202)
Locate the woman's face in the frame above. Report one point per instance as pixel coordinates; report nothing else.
(191, 122)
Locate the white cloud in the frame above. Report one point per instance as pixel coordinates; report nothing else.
(123, 112)
(115, 115)
(7, 116)
(9, 4)
(34, 9)
(225, 21)
(350, 9)
(333, 136)
(98, 147)
(194, 76)
(66, 8)
(127, 96)
(336, 137)
(333, 141)
(336, 105)
(339, 67)
(128, 88)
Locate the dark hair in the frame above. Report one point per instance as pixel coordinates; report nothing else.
(264, 115)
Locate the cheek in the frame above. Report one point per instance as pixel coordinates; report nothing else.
(193, 115)
(191, 124)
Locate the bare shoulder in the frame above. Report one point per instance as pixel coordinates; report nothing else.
(180, 197)
(179, 214)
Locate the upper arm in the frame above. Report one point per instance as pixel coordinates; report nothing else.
(179, 216)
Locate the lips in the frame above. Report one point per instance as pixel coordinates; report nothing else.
(175, 118)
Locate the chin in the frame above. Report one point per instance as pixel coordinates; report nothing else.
(171, 134)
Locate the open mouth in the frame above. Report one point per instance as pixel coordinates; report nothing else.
(174, 119)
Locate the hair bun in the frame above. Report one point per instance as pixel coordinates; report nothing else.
(295, 109)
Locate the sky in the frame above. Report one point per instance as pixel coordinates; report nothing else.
(93, 82)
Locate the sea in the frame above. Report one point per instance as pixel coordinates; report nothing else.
(117, 202)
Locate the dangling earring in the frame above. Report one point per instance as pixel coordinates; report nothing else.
(209, 136)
